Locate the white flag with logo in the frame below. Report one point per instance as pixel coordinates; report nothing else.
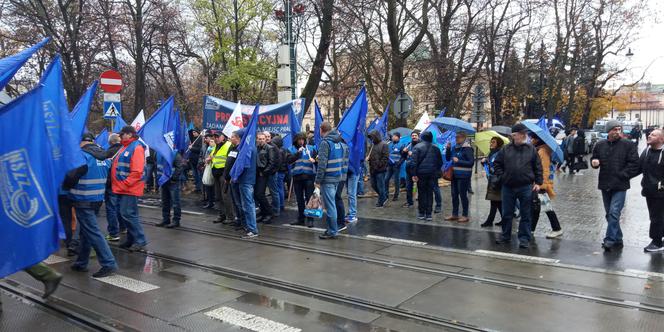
(424, 122)
(138, 122)
(234, 121)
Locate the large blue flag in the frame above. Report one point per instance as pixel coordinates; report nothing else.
(158, 132)
(381, 125)
(79, 116)
(294, 129)
(318, 119)
(29, 216)
(246, 147)
(181, 135)
(11, 64)
(119, 123)
(350, 127)
(64, 142)
(102, 139)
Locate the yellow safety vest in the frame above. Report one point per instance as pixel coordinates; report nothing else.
(219, 156)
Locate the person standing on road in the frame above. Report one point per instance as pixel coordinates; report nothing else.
(87, 185)
(219, 156)
(338, 199)
(520, 171)
(426, 161)
(209, 143)
(170, 192)
(378, 160)
(115, 223)
(546, 189)
(462, 165)
(194, 154)
(302, 160)
(329, 173)
(618, 161)
(245, 186)
(233, 189)
(266, 166)
(282, 171)
(394, 162)
(272, 181)
(407, 155)
(568, 144)
(652, 185)
(127, 183)
(580, 150)
(493, 184)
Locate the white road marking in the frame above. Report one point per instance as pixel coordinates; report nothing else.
(396, 240)
(55, 259)
(517, 257)
(127, 283)
(644, 274)
(249, 321)
(159, 208)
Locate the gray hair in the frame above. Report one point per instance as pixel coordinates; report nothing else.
(113, 138)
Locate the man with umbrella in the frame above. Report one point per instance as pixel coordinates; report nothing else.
(520, 170)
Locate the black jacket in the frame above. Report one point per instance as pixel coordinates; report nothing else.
(380, 154)
(651, 166)
(427, 158)
(267, 162)
(579, 144)
(230, 161)
(518, 165)
(283, 154)
(618, 163)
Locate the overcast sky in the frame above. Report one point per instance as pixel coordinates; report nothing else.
(649, 47)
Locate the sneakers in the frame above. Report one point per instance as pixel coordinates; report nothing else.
(112, 238)
(499, 223)
(124, 245)
(162, 224)
(523, 245)
(652, 247)
(429, 218)
(104, 272)
(342, 228)
(554, 234)
(487, 224)
(136, 247)
(326, 236)
(420, 216)
(250, 235)
(407, 205)
(351, 220)
(437, 209)
(173, 225)
(503, 241)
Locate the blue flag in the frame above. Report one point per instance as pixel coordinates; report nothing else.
(11, 64)
(102, 139)
(441, 139)
(246, 147)
(542, 123)
(29, 218)
(442, 113)
(317, 121)
(119, 123)
(158, 132)
(294, 129)
(350, 127)
(381, 125)
(79, 116)
(64, 142)
(181, 135)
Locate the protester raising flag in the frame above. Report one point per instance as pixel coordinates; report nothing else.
(234, 122)
(79, 116)
(102, 139)
(11, 64)
(350, 127)
(317, 121)
(247, 144)
(159, 133)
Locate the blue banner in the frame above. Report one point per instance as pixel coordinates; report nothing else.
(79, 116)
(246, 147)
(158, 132)
(102, 139)
(318, 119)
(273, 118)
(11, 64)
(350, 127)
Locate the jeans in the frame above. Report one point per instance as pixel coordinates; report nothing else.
(510, 196)
(360, 181)
(351, 189)
(129, 212)
(281, 190)
(425, 185)
(436, 194)
(304, 188)
(261, 199)
(409, 188)
(656, 211)
(115, 222)
(170, 196)
(237, 204)
(71, 233)
(378, 185)
(272, 184)
(150, 173)
(248, 207)
(339, 204)
(328, 191)
(460, 190)
(198, 180)
(613, 205)
(393, 172)
(91, 237)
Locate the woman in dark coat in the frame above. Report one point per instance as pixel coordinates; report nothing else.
(493, 187)
(580, 150)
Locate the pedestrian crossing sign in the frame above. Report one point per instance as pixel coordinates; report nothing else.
(112, 109)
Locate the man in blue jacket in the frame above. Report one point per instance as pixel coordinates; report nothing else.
(331, 152)
(394, 164)
(245, 185)
(462, 163)
(425, 163)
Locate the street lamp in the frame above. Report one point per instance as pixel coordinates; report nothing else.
(629, 53)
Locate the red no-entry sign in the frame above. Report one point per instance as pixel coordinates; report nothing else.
(111, 81)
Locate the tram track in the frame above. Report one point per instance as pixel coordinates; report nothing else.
(63, 309)
(410, 267)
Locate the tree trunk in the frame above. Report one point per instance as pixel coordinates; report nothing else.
(309, 91)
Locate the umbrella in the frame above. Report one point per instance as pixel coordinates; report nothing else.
(545, 136)
(483, 138)
(453, 124)
(404, 132)
(503, 130)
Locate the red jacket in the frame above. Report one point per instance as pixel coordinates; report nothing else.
(133, 185)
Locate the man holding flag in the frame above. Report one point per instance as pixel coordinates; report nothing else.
(128, 185)
(243, 173)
